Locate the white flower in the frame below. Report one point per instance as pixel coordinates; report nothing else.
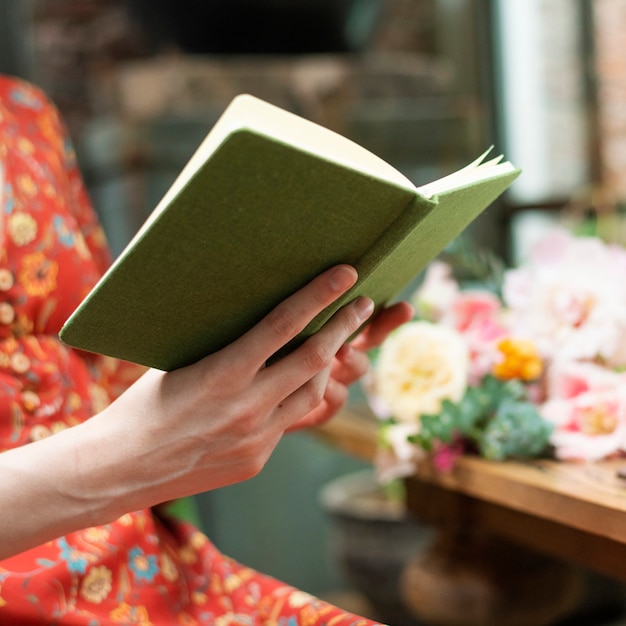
(437, 292)
(420, 365)
(397, 457)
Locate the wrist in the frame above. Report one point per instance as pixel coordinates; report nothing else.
(48, 494)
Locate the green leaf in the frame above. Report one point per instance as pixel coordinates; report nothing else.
(437, 427)
(516, 431)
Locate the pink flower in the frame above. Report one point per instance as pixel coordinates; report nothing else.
(594, 426)
(446, 454)
(570, 298)
(477, 315)
(567, 303)
(587, 405)
(473, 307)
(570, 379)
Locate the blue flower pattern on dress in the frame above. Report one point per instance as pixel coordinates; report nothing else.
(76, 561)
(143, 566)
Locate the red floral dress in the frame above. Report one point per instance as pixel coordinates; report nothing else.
(143, 568)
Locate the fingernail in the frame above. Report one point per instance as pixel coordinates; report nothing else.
(342, 278)
(364, 307)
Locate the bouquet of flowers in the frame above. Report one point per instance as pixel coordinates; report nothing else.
(534, 368)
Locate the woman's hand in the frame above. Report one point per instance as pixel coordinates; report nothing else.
(198, 428)
(352, 362)
(217, 422)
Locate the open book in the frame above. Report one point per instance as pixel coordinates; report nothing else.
(267, 202)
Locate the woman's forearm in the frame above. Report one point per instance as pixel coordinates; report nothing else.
(61, 484)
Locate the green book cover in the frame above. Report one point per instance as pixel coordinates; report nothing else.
(268, 202)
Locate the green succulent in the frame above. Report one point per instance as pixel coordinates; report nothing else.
(494, 417)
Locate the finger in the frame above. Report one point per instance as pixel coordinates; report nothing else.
(317, 353)
(290, 317)
(349, 365)
(385, 322)
(335, 397)
(305, 400)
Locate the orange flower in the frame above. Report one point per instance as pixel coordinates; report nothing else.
(521, 360)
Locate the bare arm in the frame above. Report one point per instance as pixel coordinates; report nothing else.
(195, 429)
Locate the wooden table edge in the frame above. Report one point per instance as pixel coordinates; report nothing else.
(589, 497)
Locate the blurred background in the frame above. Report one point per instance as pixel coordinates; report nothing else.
(426, 84)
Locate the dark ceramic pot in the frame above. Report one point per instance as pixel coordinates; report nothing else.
(373, 539)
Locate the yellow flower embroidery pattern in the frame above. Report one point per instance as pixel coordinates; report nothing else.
(99, 397)
(81, 246)
(27, 185)
(96, 586)
(58, 426)
(97, 534)
(298, 599)
(74, 401)
(25, 145)
(31, 400)
(126, 520)
(126, 614)
(38, 274)
(200, 598)
(236, 580)
(198, 540)
(184, 619)
(38, 432)
(22, 228)
(168, 568)
(187, 555)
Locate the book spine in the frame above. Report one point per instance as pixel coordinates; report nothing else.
(400, 255)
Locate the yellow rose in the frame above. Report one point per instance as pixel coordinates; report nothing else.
(420, 365)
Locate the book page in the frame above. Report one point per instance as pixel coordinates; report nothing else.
(246, 111)
(473, 172)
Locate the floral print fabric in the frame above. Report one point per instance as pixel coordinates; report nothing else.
(143, 568)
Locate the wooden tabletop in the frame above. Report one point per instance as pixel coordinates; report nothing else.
(573, 510)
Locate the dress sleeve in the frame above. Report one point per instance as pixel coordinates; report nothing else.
(79, 202)
(113, 374)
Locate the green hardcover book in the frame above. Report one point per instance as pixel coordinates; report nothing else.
(267, 202)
